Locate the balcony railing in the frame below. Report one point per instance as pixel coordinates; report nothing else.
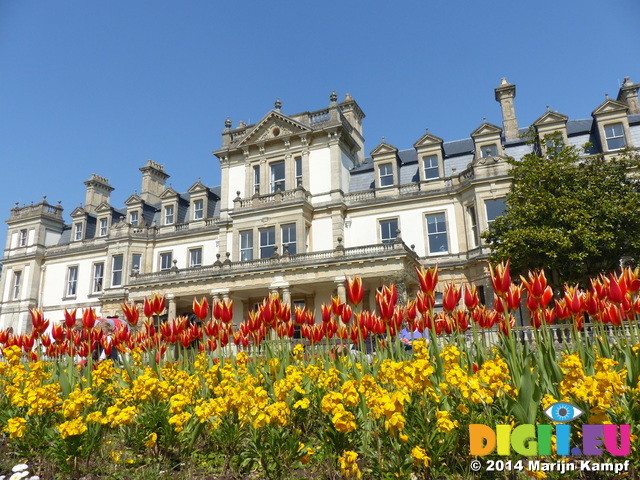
(227, 267)
(257, 201)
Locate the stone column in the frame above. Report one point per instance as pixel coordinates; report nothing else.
(342, 288)
(171, 306)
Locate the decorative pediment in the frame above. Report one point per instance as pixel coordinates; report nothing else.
(197, 187)
(78, 212)
(610, 106)
(169, 193)
(550, 117)
(486, 129)
(104, 207)
(274, 125)
(428, 140)
(133, 200)
(383, 149)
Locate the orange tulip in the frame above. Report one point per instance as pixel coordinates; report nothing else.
(471, 298)
(537, 283)
(69, 318)
(500, 278)
(451, 297)
(89, 318)
(336, 306)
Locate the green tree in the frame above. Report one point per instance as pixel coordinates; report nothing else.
(575, 215)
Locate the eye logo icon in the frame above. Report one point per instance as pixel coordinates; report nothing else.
(562, 412)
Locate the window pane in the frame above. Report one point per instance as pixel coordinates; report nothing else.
(473, 223)
(98, 277)
(256, 179)
(489, 150)
(615, 136)
(267, 242)
(17, 276)
(388, 230)
(289, 238)
(198, 209)
(386, 175)
(134, 219)
(78, 231)
(72, 281)
(195, 257)
(165, 261)
(277, 176)
(168, 215)
(116, 271)
(431, 167)
(136, 263)
(437, 232)
(298, 171)
(246, 245)
(495, 208)
(103, 227)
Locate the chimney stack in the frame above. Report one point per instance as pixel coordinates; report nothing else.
(505, 94)
(629, 95)
(153, 182)
(98, 191)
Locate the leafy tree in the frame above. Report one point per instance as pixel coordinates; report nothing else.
(573, 215)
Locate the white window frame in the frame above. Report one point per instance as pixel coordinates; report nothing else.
(77, 232)
(386, 175)
(165, 260)
(274, 180)
(268, 231)
(169, 214)
(256, 179)
(246, 245)
(97, 278)
(17, 280)
(472, 216)
(286, 233)
(71, 288)
(133, 262)
(298, 167)
(437, 232)
(134, 218)
(195, 257)
(612, 136)
(22, 238)
(431, 168)
(104, 227)
(198, 209)
(391, 235)
(116, 273)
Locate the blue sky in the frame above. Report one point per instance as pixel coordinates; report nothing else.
(100, 87)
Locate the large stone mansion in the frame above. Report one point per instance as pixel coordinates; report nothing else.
(300, 206)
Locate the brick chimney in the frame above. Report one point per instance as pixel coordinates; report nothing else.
(505, 94)
(98, 191)
(153, 182)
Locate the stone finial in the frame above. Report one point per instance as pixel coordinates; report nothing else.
(278, 104)
(227, 123)
(348, 97)
(606, 96)
(333, 97)
(504, 81)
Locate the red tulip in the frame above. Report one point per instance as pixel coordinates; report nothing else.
(347, 312)
(148, 308)
(223, 310)
(514, 295)
(471, 298)
(500, 278)
(69, 318)
(451, 297)
(428, 278)
(131, 313)
(355, 290)
(574, 298)
(201, 309)
(616, 289)
(325, 311)
(159, 304)
(425, 302)
(89, 318)
(536, 285)
(632, 279)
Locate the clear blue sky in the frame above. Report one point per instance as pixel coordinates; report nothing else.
(101, 86)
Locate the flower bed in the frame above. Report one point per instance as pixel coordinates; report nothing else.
(213, 401)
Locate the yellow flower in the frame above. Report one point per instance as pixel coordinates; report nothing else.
(420, 457)
(16, 427)
(444, 422)
(343, 420)
(348, 465)
(72, 427)
(151, 440)
(302, 404)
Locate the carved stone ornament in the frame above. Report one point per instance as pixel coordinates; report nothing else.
(275, 130)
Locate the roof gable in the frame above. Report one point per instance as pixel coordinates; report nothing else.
(550, 117)
(274, 125)
(486, 128)
(78, 212)
(383, 148)
(609, 106)
(104, 207)
(197, 188)
(133, 200)
(427, 140)
(169, 192)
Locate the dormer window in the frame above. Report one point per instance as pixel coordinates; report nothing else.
(385, 172)
(103, 227)
(614, 135)
(168, 215)
(77, 232)
(277, 176)
(489, 150)
(134, 219)
(431, 170)
(198, 210)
